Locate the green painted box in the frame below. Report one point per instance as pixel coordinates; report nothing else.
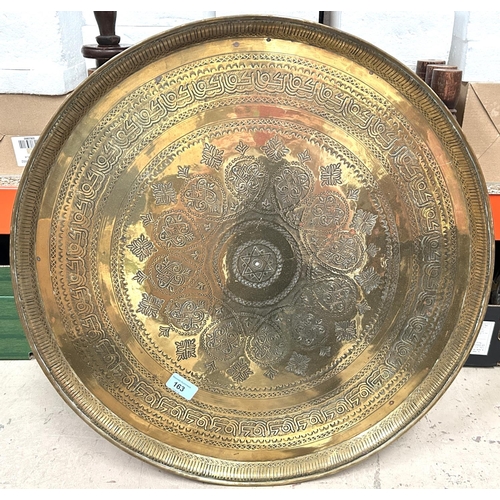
(13, 343)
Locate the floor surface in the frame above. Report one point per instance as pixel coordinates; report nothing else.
(44, 444)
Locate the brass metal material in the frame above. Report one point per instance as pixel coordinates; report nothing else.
(278, 215)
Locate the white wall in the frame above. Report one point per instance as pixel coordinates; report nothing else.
(40, 52)
(476, 45)
(407, 36)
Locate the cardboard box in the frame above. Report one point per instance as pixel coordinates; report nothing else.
(13, 342)
(481, 126)
(22, 117)
(25, 116)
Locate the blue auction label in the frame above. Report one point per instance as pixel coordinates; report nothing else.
(181, 386)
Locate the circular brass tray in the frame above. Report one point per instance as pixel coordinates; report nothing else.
(252, 250)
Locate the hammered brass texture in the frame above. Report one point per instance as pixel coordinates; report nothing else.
(274, 211)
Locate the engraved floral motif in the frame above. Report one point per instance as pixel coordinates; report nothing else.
(150, 305)
(309, 331)
(222, 341)
(292, 184)
(246, 177)
(363, 307)
(364, 221)
(339, 296)
(170, 274)
(164, 331)
(275, 149)
(174, 230)
(183, 171)
(353, 194)
(304, 156)
(211, 156)
(240, 370)
(267, 346)
(189, 316)
(185, 349)
(336, 295)
(372, 250)
(298, 364)
(271, 373)
(164, 193)
(345, 331)
(328, 210)
(331, 175)
(325, 350)
(241, 148)
(266, 204)
(147, 219)
(368, 279)
(344, 253)
(204, 197)
(210, 367)
(140, 277)
(142, 247)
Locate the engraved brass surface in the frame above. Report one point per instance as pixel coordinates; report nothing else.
(274, 211)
